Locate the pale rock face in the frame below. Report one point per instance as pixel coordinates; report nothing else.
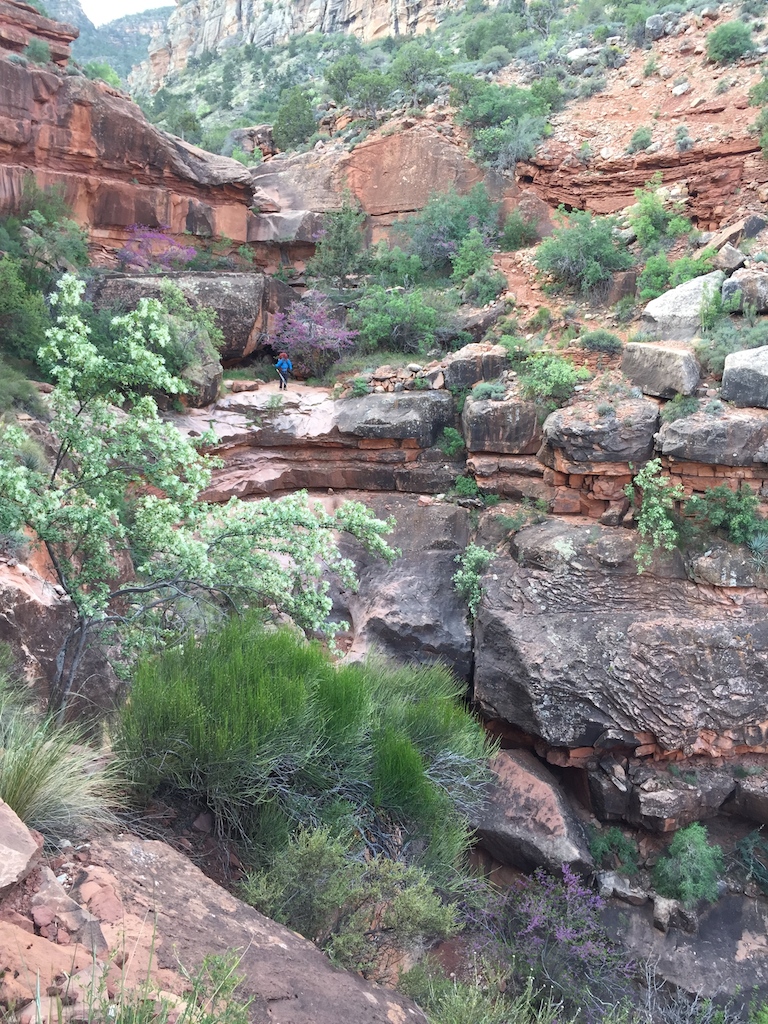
(215, 24)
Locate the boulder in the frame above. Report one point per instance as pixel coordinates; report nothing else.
(734, 438)
(748, 227)
(654, 27)
(661, 802)
(526, 820)
(729, 259)
(584, 437)
(510, 427)
(420, 416)
(751, 798)
(676, 315)
(652, 654)
(747, 288)
(660, 370)
(19, 849)
(610, 884)
(474, 363)
(745, 377)
(245, 302)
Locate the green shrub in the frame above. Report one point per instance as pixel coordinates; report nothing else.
(736, 512)
(654, 221)
(724, 337)
(16, 392)
(49, 775)
(359, 911)
(295, 120)
(582, 253)
(484, 286)
(100, 70)
(604, 846)
(24, 315)
(488, 389)
(38, 51)
(518, 232)
(680, 407)
(541, 319)
(391, 267)
(435, 234)
(360, 387)
(659, 274)
(758, 94)
(657, 521)
(398, 321)
(549, 378)
(641, 139)
(690, 870)
(728, 42)
(466, 487)
(268, 733)
(451, 442)
(472, 255)
(473, 563)
(601, 340)
(339, 253)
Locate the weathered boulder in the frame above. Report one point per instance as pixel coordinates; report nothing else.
(747, 288)
(751, 798)
(410, 610)
(676, 315)
(654, 27)
(745, 377)
(474, 363)
(664, 803)
(510, 427)
(584, 436)
(526, 821)
(661, 370)
(734, 438)
(245, 303)
(653, 654)
(729, 259)
(20, 24)
(747, 227)
(420, 416)
(19, 849)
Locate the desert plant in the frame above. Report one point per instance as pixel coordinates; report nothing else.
(472, 564)
(690, 870)
(295, 120)
(488, 389)
(436, 233)
(549, 379)
(38, 51)
(600, 340)
(736, 512)
(728, 42)
(679, 407)
(312, 335)
(484, 286)
(154, 249)
(396, 320)
(657, 522)
(582, 251)
(612, 843)
(472, 255)
(451, 442)
(465, 487)
(641, 139)
(339, 254)
(518, 232)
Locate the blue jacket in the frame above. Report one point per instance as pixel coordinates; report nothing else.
(284, 364)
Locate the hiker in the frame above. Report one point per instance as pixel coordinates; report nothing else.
(284, 366)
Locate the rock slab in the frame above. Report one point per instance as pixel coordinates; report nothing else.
(676, 315)
(745, 377)
(18, 848)
(660, 370)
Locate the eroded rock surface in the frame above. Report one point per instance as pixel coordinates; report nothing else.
(676, 315)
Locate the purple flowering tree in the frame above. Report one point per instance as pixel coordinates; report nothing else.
(312, 335)
(154, 249)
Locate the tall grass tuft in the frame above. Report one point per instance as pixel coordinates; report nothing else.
(49, 776)
(267, 732)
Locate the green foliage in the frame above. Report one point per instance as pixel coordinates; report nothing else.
(370, 91)
(472, 564)
(612, 843)
(549, 378)
(339, 254)
(518, 233)
(735, 512)
(465, 487)
(339, 75)
(657, 522)
(753, 853)
(355, 910)
(99, 69)
(479, 1000)
(414, 68)
(391, 267)
(652, 219)
(472, 255)
(582, 252)
(24, 315)
(680, 407)
(396, 321)
(507, 122)
(49, 775)
(295, 120)
(541, 319)
(690, 870)
(451, 442)
(436, 233)
(484, 286)
(724, 337)
(38, 51)
(728, 42)
(758, 94)
(360, 388)
(659, 274)
(488, 389)
(266, 731)
(16, 392)
(641, 139)
(601, 340)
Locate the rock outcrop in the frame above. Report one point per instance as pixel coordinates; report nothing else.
(661, 370)
(676, 315)
(115, 168)
(19, 849)
(21, 23)
(210, 25)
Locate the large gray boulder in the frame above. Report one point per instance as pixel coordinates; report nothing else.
(747, 288)
(660, 369)
(474, 363)
(736, 437)
(244, 302)
(571, 642)
(19, 850)
(585, 436)
(526, 821)
(745, 377)
(420, 416)
(676, 315)
(510, 427)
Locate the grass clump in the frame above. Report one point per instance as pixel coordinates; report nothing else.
(267, 733)
(613, 846)
(680, 407)
(691, 869)
(492, 390)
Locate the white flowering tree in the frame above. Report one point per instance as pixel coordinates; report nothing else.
(122, 480)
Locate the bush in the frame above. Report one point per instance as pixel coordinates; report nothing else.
(723, 338)
(680, 407)
(16, 392)
(582, 252)
(472, 255)
(518, 233)
(473, 563)
(394, 268)
(435, 234)
(484, 286)
(466, 487)
(657, 521)
(312, 335)
(549, 378)
(24, 316)
(659, 274)
(295, 121)
(652, 219)
(605, 846)
(728, 42)
(690, 870)
(503, 145)
(100, 70)
(154, 249)
(488, 389)
(396, 321)
(641, 139)
(451, 442)
(601, 341)
(263, 729)
(38, 51)
(359, 911)
(48, 774)
(339, 253)
(735, 512)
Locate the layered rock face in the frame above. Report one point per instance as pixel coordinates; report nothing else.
(215, 24)
(116, 169)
